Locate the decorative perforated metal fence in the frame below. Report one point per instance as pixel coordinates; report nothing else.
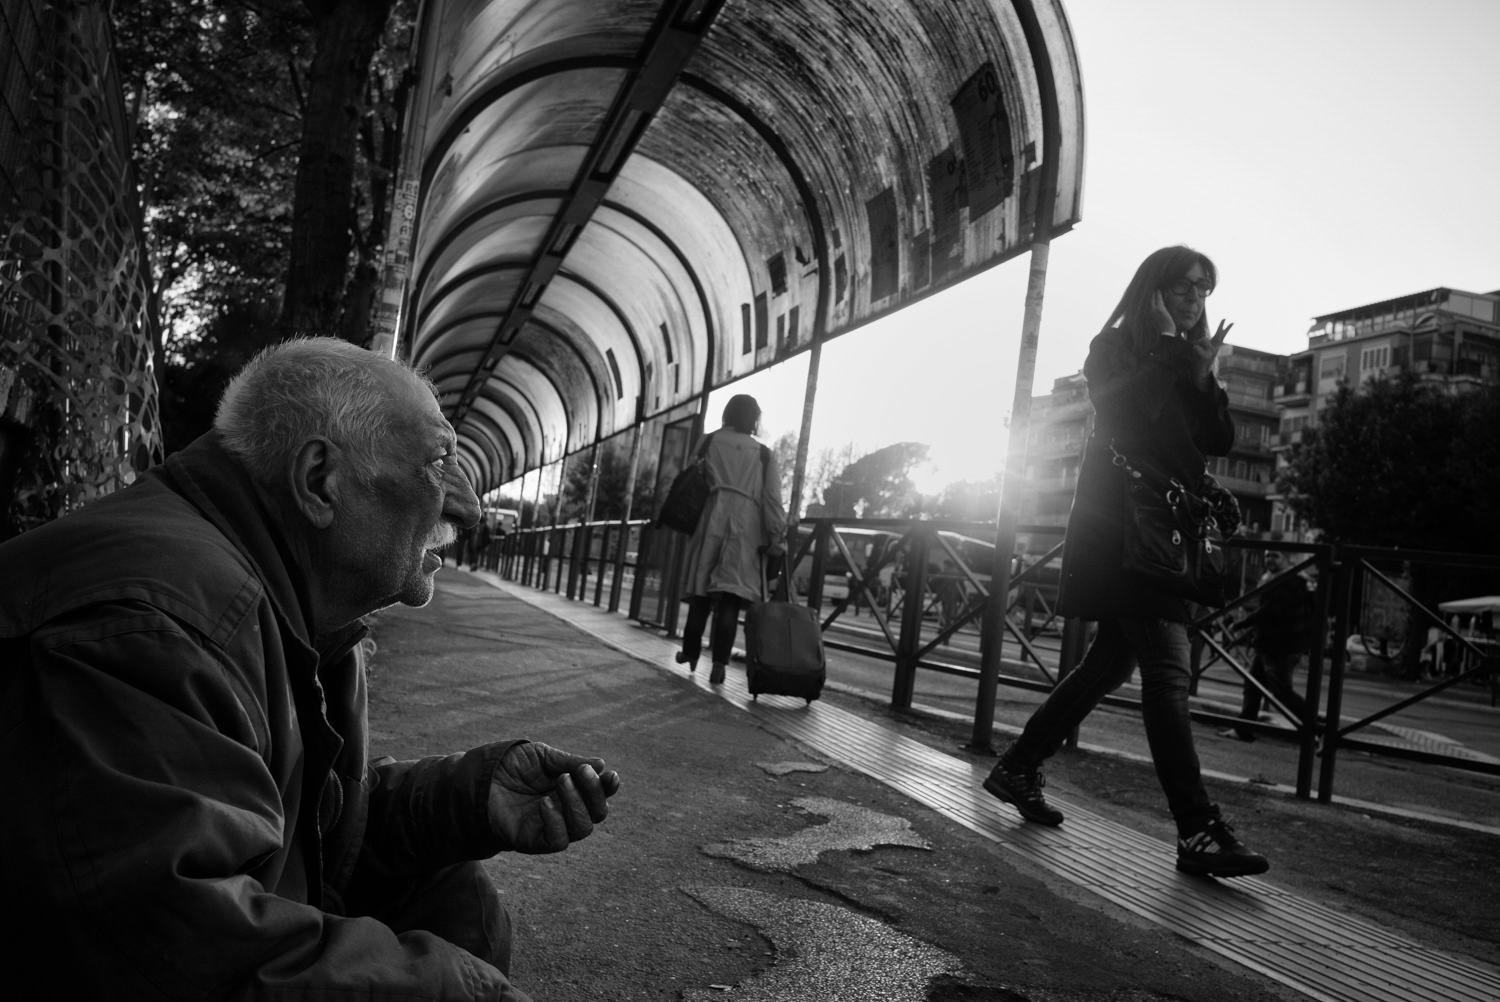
(78, 404)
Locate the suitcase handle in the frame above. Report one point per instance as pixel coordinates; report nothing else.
(783, 577)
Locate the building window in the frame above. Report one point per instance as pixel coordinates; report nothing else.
(1374, 360)
(1331, 368)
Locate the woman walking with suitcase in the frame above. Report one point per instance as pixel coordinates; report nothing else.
(744, 519)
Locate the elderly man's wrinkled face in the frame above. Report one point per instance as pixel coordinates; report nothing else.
(418, 499)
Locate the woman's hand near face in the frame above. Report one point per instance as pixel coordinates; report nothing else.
(1206, 352)
(1161, 316)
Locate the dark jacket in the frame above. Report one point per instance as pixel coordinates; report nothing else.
(1153, 413)
(190, 786)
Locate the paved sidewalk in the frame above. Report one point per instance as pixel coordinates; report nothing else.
(769, 850)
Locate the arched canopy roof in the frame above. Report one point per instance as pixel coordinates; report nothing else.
(620, 206)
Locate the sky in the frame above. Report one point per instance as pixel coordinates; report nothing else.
(1325, 154)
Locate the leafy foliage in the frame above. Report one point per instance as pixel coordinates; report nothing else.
(877, 485)
(216, 90)
(1401, 462)
(609, 499)
(247, 113)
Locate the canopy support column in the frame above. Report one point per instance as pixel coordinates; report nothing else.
(992, 630)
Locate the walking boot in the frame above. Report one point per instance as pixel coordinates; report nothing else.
(1210, 849)
(1021, 787)
(716, 676)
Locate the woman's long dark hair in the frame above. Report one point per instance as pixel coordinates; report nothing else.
(1132, 315)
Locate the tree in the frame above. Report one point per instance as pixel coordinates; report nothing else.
(267, 136)
(1402, 463)
(785, 451)
(877, 485)
(609, 500)
(325, 214)
(191, 384)
(966, 501)
(268, 133)
(214, 88)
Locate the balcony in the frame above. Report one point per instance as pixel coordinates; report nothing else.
(1292, 393)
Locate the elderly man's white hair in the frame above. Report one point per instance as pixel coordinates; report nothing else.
(301, 388)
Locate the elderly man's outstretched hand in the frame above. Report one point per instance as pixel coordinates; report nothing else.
(543, 800)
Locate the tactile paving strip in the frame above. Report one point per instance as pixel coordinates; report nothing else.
(1320, 952)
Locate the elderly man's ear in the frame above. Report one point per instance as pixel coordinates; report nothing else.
(317, 477)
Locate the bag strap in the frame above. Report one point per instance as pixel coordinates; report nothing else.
(1195, 507)
(701, 453)
(1163, 485)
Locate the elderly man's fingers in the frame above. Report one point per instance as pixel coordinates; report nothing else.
(578, 813)
(595, 789)
(554, 834)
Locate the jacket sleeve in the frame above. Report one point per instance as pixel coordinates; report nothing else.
(154, 826)
(772, 509)
(1129, 397)
(432, 812)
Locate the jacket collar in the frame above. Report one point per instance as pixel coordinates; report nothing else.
(219, 487)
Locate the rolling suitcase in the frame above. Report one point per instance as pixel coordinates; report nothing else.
(783, 648)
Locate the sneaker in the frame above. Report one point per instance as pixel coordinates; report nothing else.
(1213, 851)
(1022, 789)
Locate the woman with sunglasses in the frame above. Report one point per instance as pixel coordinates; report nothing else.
(1150, 375)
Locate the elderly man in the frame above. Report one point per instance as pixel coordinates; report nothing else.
(191, 809)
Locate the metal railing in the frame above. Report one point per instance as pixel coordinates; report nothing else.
(902, 591)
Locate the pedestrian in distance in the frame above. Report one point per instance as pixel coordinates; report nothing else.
(193, 809)
(1151, 381)
(1281, 633)
(479, 555)
(743, 523)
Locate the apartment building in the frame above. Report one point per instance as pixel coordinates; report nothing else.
(1444, 336)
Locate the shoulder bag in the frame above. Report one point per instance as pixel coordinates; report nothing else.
(1174, 537)
(688, 495)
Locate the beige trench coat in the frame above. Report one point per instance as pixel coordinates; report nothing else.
(744, 515)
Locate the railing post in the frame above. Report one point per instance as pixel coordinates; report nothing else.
(821, 531)
(578, 562)
(606, 537)
(1307, 733)
(904, 683)
(644, 557)
(1343, 585)
(617, 581)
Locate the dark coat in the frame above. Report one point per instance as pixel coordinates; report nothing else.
(191, 789)
(1153, 412)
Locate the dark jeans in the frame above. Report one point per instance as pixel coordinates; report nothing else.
(1160, 648)
(726, 612)
(458, 903)
(1274, 671)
